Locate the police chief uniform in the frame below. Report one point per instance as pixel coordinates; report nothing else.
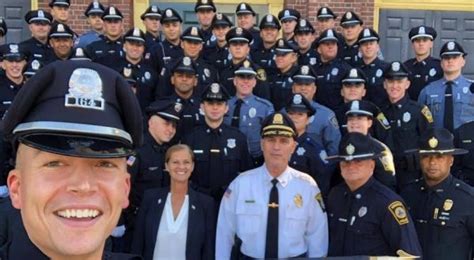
(435, 95)
(350, 53)
(33, 48)
(372, 219)
(310, 57)
(94, 8)
(212, 52)
(294, 215)
(373, 71)
(155, 13)
(8, 88)
(262, 56)
(425, 71)
(248, 113)
(408, 121)
(245, 8)
(56, 113)
(220, 153)
(106, 46)
(443, 213)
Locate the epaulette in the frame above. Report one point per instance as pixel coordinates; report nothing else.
(460, 185)
(264, 101)
(303, 176)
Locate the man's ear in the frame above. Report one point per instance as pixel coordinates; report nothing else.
(14, 183)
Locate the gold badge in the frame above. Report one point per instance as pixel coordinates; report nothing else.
(399, 212)
(433, 142)
(277, 119)
(448, 205)
(298, 200)
(261, 75)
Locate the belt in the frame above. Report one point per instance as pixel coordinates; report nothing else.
(245, 257)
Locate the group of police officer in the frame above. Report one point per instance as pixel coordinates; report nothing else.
(298, 109)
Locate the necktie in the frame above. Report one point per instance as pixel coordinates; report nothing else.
(448, 106)
(236, 115)
(271, 245)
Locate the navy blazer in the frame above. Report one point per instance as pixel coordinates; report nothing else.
(200, 240)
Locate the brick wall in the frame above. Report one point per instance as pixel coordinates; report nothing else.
(77, 19)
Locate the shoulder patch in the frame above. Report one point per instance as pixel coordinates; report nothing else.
(383, 121)
(261, 75)
(319, 199)
(427, 114)
(399, 212)
(387, 161)
(334, 123)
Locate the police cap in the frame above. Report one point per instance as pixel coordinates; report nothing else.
(246, 69)
(289, 14)
(63, 3)
(356, 147)
(278, 124)
(325, 13)
(452, 48)
(304, 75)
(80, 54)
(39, 15)
(184, 65)
(94, 7)
(422, 32)
(12, 52)
(60, 30)
(360, 108)
(269, 21)
(244, 8)
(31, 69)
(368, 35)
(350, 18)
(193, 34)
(298, 103)
(221, 20)
(354, 76)
(135, 35)
(329, 35)
(396, 70)
(112, 13)
(170, 15)
(435, 141)
(76, 108)
(304, 26)
(238, 34)
(3, 27)
(204, 5)
(151, 12)
(215, 92)
(166, 109)
(283, 47)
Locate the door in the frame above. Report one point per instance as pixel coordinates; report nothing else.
(13, 11)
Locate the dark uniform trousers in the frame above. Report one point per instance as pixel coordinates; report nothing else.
(444, 218)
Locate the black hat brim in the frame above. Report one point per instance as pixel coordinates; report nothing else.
(348, 158)
(454, 151)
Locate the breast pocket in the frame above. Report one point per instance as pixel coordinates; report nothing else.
(447, 231)
(249, 218)
(434, 103)
(295, 219)
(467, 107)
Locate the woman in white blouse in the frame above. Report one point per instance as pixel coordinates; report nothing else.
(176, 222)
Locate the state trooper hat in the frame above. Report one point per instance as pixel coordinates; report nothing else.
(38, 16)
(422, 32)
(193, 34)
(151, 12)
(299, 103)
(238, 34)
(360, 108)
(65, 3)
(32, 68)
(204, 5)
(288, 14)
(269, 21)
(368, 35)
(396, 70)
(60, 30)
(12, 52)
(3, 27)
(80, 54)
(304, 26)
(244, 8)
(283, 47)
(76, 108)
(304, 75)
(246, 69)
(112, 13)
(325, 13)
(278, 124)
(94, 7)
(221, 20)
(356, 147)
(437, 141)
(452, 48)
(350, 18)
(170, 15)
(135, 35)
(354, 75)
(184, 65)
(329, 35)
(166, 109)
(215, 92)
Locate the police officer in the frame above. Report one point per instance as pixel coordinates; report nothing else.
(60, 10)
(216, 50)
(61, 41)
(36, 47)
(93, 13)
(351, 27)
(263, 54)
(111, 41)
(205, 11)
(450, 99)
(423, 67)
(372, 66)
(286, 60)
(81, 120)
(463, 167)
(309, 155)
(408, 121)
(238, 40)
(441, 204)
(273, 211)
(220, 150)
(246, 20)
(14, 61)
(326, 19)
(288, 18)
(323, 126)
(151, 20)
(330, 70)
(304, 37)
(31, 69)
(247, 111)
(365, 217)
(360, 117)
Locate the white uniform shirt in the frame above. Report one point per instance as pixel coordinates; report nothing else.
(302, 225)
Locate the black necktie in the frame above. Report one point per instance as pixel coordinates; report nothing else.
(236, 115)
(271, 245)
(448, 106)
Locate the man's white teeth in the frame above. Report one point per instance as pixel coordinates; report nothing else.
(78, 213)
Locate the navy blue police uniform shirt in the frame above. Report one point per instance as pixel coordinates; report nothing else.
(422, 73)
(375, 77)
(104, 47)
(329, 77)
(8, 91)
